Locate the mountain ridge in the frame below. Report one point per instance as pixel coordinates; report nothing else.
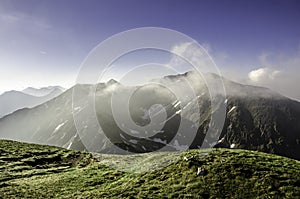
(259, 122)
(40, 92)
(13, 100)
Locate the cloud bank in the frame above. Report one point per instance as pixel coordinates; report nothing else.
(279, 72)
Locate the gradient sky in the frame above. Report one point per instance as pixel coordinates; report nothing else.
(44, 42)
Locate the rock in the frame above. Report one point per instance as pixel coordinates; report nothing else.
(201, 171)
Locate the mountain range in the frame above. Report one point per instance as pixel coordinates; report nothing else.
(256, 118)
(13, 100)
(40, 92)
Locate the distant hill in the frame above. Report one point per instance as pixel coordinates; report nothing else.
(256, 119)
(40, 92)
(13, 100)
(35, 171)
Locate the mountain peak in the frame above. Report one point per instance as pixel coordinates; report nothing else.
(112, 81)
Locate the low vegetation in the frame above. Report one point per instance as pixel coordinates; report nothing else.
(35, 171)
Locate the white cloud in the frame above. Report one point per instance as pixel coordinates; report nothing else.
(197, 55)
(279, 72)
(263, 74)
(257, 74)
(181, 48)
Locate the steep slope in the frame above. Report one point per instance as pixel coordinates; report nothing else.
(13, 100)
(256, 118)
(50, 123)
(33, 171)
(269, 125)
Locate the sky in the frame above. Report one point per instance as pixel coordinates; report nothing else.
(254, 42)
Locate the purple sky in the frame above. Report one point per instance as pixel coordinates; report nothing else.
(44, 42)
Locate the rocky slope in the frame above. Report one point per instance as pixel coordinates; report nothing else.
(255, 118)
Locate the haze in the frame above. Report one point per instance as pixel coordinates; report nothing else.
(253, 42)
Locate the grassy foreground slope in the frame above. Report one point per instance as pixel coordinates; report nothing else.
(34, 171)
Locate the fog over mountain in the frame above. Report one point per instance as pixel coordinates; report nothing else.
(256, 118)
(149, 99)
(13, 100)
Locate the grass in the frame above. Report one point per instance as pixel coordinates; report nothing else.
(34, 171)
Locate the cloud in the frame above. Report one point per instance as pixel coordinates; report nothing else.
(14, 21)
(279, 72)
(263, 74)
(196, 56)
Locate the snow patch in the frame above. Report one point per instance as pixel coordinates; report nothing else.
(59, 126)
(221, 140)
(70, 142)
(159, 140)
(234, 107)
(69, 146)
(77, 108)
(134, 132)
(122, 136)
(178, 112)
(133, 141)
(176, 103)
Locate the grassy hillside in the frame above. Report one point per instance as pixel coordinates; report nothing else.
(34, 171)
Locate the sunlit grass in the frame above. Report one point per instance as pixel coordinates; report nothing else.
(33, 171)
